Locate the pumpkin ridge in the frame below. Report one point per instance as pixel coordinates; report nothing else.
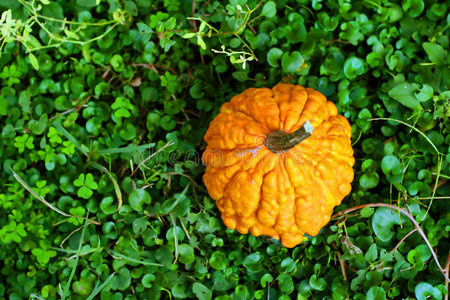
(261, 193)
(292, 93)
(292, 204)
(235, 174)
(238, 112)
(282, 122)
(295, 198)
(247, 103)
(308, 113)
(258, 223)
(299, 115)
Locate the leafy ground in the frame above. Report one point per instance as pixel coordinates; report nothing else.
(103, 108)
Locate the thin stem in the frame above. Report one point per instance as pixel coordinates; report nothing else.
(33, 11)
(416, 225)
(447, 266)
(341, 261)
(436, 198)
(403, 239)
(248, 47)
(74, 22)
(410, 126)
(440, 158)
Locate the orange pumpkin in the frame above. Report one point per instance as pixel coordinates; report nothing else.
(278, 161)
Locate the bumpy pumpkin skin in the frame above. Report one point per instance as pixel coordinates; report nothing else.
(281, 195)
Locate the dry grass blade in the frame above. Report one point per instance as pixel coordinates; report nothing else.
(153, 154)
(114, 181)
(71, 138)
(127, 149)
(118, 255)
(65, 292)
(99, 288)
(40, 198)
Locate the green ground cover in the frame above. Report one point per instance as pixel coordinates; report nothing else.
(103, 108)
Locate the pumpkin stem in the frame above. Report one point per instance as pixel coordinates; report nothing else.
(280, 141)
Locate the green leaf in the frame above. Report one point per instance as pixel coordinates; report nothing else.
(288, 264)
(420, 254)
(53, 10)
(424, 291)
(3, 107)
(34, 61)
(240, 76)
(353, 67)
(328, 23)
(285, 283)
(201, 42)
(196, 91)
(366, 212)
(88, 3)
(405, 94)
(371, 254)
(383, 221)
(201, 291)
(269, 9)
(186, 253)
(413, 7)
(376, 293)
(138, 198)
(117, 63)
(273, 56)
(295, 29)
(217, 260)
(8, 131)
(393, 13)
(90, 181)
(24, 101)
(167, 123)
(436, 53)
(369, 180)
(266, 278)
(106, 205)
(252, 262)
(391, 165)
(139, 225)
(38, 127)
(123, 279)
(292, 62)
(12, 4)
(147, 280)
(425, 93)
(189, 35)
(316, 283)
(127, 132)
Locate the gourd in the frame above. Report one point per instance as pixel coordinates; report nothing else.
(278, 161)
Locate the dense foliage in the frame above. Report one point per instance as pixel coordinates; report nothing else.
(104, 104)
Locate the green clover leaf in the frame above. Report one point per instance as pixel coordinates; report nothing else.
(122, 108)
(86, 184)
(13, 232)
(53, 136)
(43, 256)
(77, 211)
(24, 141)
(12, 74)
